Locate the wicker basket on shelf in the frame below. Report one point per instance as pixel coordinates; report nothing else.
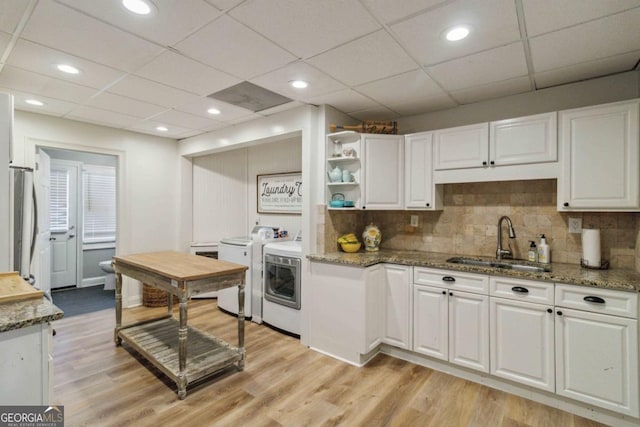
(153, 297)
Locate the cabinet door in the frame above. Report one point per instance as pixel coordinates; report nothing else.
(469, 330)
(599, 157)
(397, 306)
(597, 359)
(461, 147)
(522, 342)
(383, 171)
(419, 189)
(430, 321)
(373, 322)
(524, 140)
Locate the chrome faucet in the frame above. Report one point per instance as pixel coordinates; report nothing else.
(504, 253)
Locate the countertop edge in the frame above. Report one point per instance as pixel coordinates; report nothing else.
(22, 314)
(615, 279)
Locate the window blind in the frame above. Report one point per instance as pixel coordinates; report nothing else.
(59, 200)
(99, 203)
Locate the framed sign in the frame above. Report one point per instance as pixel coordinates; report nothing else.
(280, 193)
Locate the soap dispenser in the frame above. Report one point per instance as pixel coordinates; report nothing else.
(544, 253)
(533, 252)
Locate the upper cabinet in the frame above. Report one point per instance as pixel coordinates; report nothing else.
(419, 190)
(344, 168)
(511, 149)
(383, 162)
(600, 158)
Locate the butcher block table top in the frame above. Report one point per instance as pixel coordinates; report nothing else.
(180, 266)
(14, 288)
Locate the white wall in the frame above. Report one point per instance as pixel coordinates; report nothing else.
(148, 179)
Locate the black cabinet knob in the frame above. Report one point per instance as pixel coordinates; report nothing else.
(444, 292)
(565, 204)
(428, 204)
(484, 163)
(492, 162)
(364, 207)
(559, 313)
(549, 310)
(451, 293)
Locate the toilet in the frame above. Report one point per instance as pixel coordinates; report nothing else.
(110, 276)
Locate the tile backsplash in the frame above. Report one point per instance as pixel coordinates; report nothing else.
(467, 225)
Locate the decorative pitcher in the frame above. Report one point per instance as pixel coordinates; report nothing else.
(371, 237)
(335, 175)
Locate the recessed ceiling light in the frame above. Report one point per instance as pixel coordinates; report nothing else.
(162, 128)
(457, 33)
(34, 102)
(140, 7)
(299, 84)
(66, 68)
(213, 111)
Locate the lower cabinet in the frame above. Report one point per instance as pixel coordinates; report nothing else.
(450, 324)
(597, 353)
(397, 305)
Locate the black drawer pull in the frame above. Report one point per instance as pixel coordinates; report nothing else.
(597, 300)
(520, 290)
(448, 279)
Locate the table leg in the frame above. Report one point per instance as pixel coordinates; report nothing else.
(116, 338)
(241, 292)
(182, 349)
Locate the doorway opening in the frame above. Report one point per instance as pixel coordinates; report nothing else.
(82, 223)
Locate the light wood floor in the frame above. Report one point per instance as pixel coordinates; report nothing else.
(283, 384)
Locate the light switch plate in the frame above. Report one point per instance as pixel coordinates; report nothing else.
(575, 225)
(414, 220)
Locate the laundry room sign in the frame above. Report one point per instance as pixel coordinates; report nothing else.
(280, 193)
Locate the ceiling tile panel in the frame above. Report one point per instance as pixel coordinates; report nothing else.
(11, 12)
(228, 112)
(83, 36)
(494, 23)
(403, 88)
(598, 39)
(347, 100)
(43, 60)
(149, 127)
(102, 117)
(492, 90)
(186, 120)
(170, 68)
(224, 4)
(366, 59)
(388, 11)
(124, 105)
(168, 23)
(278, 81)
(479, 69)
(27, 81)
(375, 113)
(52, 107)
(5, 39)
(306, 27)
(587, 70)
(424, 105)
(542, 16)
(152, 92)
(249, 55)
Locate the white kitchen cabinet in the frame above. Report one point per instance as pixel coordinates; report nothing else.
(397, 305)
(343, 151)
(345, 310)
(600, 158)
(449, 323)
(26, 365)
(461, 147)
(597, 353)
(524, 140)
(383, 165)
(419, 189)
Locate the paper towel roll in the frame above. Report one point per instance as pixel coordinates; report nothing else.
(591, 247)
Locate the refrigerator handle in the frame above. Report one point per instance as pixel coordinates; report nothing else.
(35, 226)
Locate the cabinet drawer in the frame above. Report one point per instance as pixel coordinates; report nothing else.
(605, 301)
(477, 283)
(523, 290)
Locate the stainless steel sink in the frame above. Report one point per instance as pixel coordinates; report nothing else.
(502, 264)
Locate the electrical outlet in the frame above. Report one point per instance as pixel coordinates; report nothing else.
(414, 220)
(575, 225)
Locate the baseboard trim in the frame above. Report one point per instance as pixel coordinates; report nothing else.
(91, 281)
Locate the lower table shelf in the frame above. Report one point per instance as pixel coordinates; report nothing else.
(158, 342)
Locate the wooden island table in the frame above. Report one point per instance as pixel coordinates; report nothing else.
(183, 353)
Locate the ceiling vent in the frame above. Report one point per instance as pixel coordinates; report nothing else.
(249, 96)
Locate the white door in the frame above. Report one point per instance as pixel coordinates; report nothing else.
(41, 264)
(431, 321)
(63, 209)
(383, 171)
(461, 147)
(469, 330)
(522, 342)
(597, 359)
(524, 140)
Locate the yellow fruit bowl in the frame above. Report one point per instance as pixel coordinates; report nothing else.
(351, 247)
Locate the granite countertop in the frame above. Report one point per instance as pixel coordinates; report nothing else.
(21, 314)
(619, 279)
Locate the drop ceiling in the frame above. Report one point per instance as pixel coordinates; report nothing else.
(371, 59)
